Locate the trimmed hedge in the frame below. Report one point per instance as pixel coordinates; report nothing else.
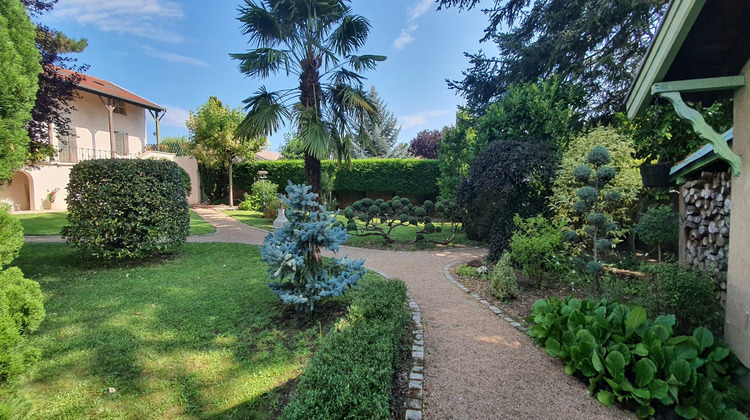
(351, 374)
(412, 177)
(126, 208)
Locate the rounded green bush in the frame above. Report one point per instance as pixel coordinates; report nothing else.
(593, 268)
(358, 205)
(396, 203)
(352, 225)
(429, 228)
(25, 300)
(126, 208)
(420, 212)
(571, 236)
(614, 196)
(603, 245)
(599, 155)
(582, 173)
(373, 210)
(503, 279)
(11, 236)
(428, 205)
(605, 174)
(419, 237)
(413, 220)
(597, 219)
(349, 212)
(587, 193)
(580, 207)
(403, 217)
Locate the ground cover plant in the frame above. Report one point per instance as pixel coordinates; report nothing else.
(51, 223)
(126, 208)
(197, 335)
(639, 361)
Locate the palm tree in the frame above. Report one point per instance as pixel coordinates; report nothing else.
(316, 41)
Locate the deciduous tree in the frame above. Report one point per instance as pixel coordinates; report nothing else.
(213, 133)
(427, 143)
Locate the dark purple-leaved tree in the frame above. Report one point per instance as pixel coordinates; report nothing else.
(56, 88)
(426, 144)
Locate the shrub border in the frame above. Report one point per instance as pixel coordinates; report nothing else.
(414, 403)
(497, 311)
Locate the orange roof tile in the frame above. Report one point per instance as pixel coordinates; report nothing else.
(102, 87)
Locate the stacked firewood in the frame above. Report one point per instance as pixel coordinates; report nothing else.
(708, 204)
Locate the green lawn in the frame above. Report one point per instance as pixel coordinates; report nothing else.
(402, 234)
(50, 224)
(196, 335)
(251, 218)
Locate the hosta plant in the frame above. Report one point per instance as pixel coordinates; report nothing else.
(291, 252)
(629, 358)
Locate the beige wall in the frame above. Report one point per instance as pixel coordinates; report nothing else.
(18, 190)
(737, 327)
(91, 125)
(190, 165)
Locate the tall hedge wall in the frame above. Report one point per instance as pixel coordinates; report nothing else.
(415, 177)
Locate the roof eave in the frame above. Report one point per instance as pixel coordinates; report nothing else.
(674, 28)
(150, 106)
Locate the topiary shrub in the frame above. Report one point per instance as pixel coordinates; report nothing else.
(658, 226)
(126, 208)
(11, 236)
(503, 279)
(291, 253)
(264, 192)
(507, 178)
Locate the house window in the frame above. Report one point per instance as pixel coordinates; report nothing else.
(121, 143)
(67, 147)
(119, 107)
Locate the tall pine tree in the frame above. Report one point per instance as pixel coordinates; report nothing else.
(382, 134)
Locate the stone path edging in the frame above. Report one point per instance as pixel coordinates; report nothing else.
(416, 374)
(497, 311)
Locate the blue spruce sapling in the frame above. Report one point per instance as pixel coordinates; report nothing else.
(290, 252)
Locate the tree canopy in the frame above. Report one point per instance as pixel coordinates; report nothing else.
(381, 139)
(315, 40)
(426, 144)
(213, 133)
(595, 44)
(18, 84)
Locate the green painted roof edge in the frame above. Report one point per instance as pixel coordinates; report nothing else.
(697, 160)
(674, 28)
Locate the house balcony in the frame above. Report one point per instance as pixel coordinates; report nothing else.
(74, 155)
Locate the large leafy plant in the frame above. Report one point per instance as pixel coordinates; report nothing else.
(639, 362)
(290, 253)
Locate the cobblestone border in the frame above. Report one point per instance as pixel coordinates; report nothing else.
(497, 311)
(414, 403)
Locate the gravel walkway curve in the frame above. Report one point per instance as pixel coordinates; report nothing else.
(477, 366)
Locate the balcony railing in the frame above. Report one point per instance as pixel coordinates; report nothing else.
(73, 155)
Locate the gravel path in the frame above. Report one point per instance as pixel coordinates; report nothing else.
(477, 366)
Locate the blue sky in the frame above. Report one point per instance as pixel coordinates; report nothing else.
(176, 53)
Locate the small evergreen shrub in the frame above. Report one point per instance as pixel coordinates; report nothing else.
(503, 279)
(264, 192)
(300, 278)
(659, 226)
(126, 208)
(21, 312)
(351, 374)
(465, 270)
(11, 236)
(535, 247)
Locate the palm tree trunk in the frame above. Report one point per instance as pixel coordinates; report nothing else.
(231, 190)
(310, 97)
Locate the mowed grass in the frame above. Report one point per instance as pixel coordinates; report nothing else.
(195, 335)
(251, 218)
(403, 235)
(50, 224)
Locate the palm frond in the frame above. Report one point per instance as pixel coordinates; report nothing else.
(262, 25)
(313, 131)
(262, 62)
(365, 62)
(350, 35)
(346, 77)
(266, 112)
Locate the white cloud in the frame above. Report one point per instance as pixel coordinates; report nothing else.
(421, 7)
(405, 38)
(175, 116)
(420, 119)
(143, 18)
(173, 58)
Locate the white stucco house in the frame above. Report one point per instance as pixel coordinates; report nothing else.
(108, 121)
